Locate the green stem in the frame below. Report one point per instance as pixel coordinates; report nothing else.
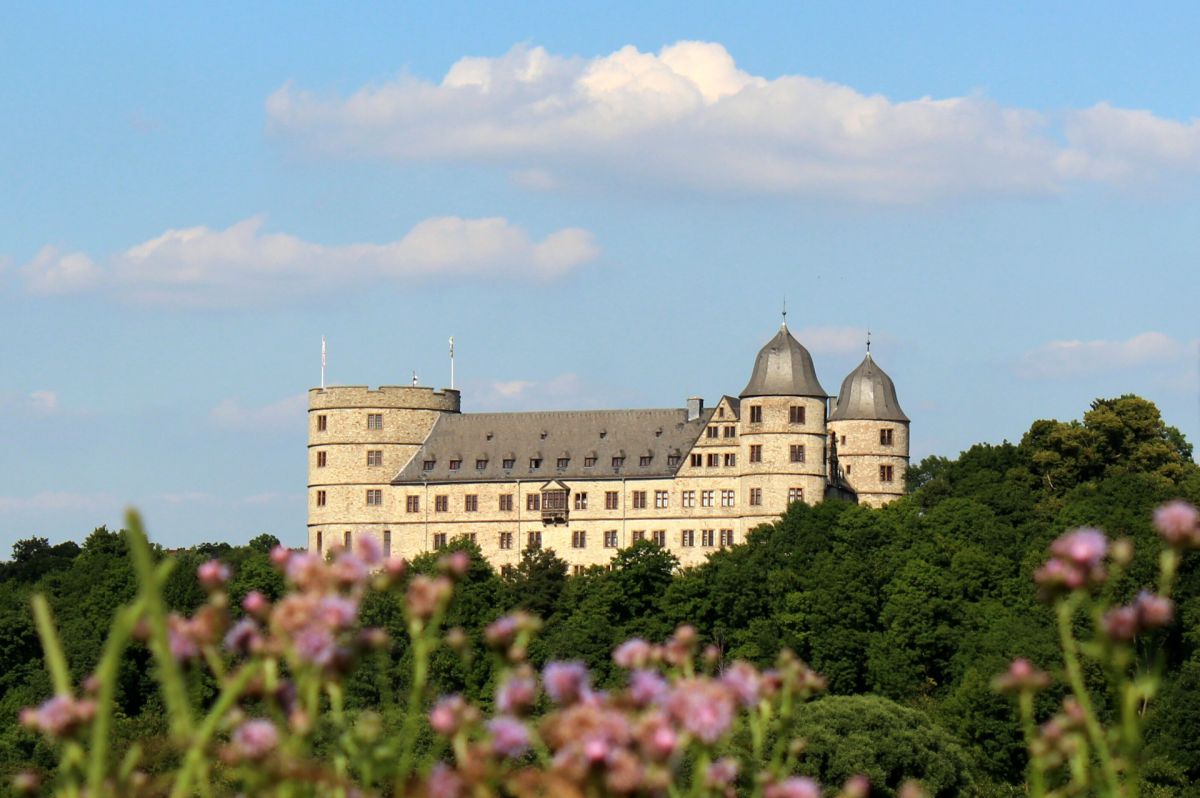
(412, 713)
(174, 692)
(56, 661)
(194, 758)
(1095, 733)
(106, 676)
(1037, 776)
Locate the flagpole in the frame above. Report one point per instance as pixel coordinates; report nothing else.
(322, 362)
(452, 362)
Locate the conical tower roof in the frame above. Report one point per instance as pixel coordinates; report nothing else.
(867, 394)
(783, 368)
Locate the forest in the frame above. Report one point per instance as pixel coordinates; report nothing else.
(908, 612)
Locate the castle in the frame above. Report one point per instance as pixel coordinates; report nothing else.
(403, 464)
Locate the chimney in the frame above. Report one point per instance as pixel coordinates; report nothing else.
(695, 406)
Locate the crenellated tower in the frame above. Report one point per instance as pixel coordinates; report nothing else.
(783, 423)
(871, 432)
(358, 440)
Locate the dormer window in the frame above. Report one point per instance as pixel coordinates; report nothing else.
(509, 463)
(535, 463)
(455, 465)
(481, 463)
(588, 462)
(563, 462)
(618, 461)
(672, 460)
(427, 465)
(645, 459)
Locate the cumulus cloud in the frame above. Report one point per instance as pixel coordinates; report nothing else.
(1069, 359)
(284, 414)
(687, 117)
(244, 262)
(833, 340)
(56, 501)
(43, 403)
(562, 390)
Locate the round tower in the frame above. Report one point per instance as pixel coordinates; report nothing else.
(782, 425)
(871, 432)
(358, 440)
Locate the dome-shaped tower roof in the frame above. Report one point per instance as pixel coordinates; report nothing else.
(783, 368)
(867, 394)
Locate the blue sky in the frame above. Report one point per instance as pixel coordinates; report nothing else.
(605, 205)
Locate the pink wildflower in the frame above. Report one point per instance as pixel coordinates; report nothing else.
(795, 787)
(256, 604)
(369, 549)
(744, 680)
(315, 645)
(425, 596)
(349, 570)
(244, 637)
(447, 715)
(703, 708)
(1178, 524)
(722, 772)
(1121, 624)
(510, 738)
(647, 687)
(255, 739)
(213, 575)
(516, 694)
(633, 653)
(1021, 675)
(1153, 611)
(565, 682)
(337, 612)
(443, 782)
(280, 555)
(456, 564)
(1084, 547)
(58, 716)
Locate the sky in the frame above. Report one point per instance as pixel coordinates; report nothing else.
(606, 205)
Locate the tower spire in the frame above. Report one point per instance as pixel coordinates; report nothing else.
(868, 340)
(784, 311)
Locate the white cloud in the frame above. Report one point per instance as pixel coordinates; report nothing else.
(562, 390)
(55, 272)
(688, 118)
(286, 413)
(1068, 359)
(833, 340)
(43, 403)
(243, 263)
(53, 501)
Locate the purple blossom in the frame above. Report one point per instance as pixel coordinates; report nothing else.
(58, 716)
(510, 738)
(795, 787)
(369, 549)
(315, 645)
(243, 637)
(337, 612)
(516, 694)
(349, 569)
(213, 574)
(446, 715)
(255, 739)
(703, 708)
(1178, 523)
(255, 603)
(1153, 611)
(744, 680)
(565, 682)
(1121, 624)
(633, 653)
(1084, 547)
(722, 772)
(443, 782)
(647, 687)
(501, 632)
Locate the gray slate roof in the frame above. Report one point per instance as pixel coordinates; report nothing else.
(783, 368)
(867, 393)
(573, 434)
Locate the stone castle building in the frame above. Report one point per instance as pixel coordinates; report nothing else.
(403, 464)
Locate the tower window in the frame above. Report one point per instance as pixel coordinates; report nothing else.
(320, 541)
(795, 495)
(322, 423)
(578, 539)
(374, 497)
(797, 453)
(756, 414)
(885, 436)
(756, 497)
(320, 459)
(320, 498)
(374, 420)
(756, 453)
(374, 457)
(885, 473)
(796, 414)
(387, 543)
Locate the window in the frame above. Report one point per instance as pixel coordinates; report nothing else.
(847, 469)
(427, 465)
(320, 459)
(885, 437)
(580, 501)
(506, 503)
(843, 440)
(731, 432)
(617, 462)
(563, 462)
(506, 570)
(713, 460)
(638, 535)
(706, 498)
(481, 463)
(797, 453)
(720, 412)
(320, 498)
(661, 497)
(730, 459)
(412, 504)
(589, 462)
(374, 420)
(506, 540)
(320, 541)
(509, 463)
(659, 536)
(687, 538)
(885, 473)
(727, 498)
(755, 414)
(374, 458)
(672, 461)
(639, 500)
(610, 539)
(756, 453)
(439, 540)
(688, 498)
(712, 432)
(455, 465)
(576, 570)
(645, 459)
(795, 495)
(471, 503)
(441, 504)
(796, 414)
(533, 501)
(467, 536)
(346, 538)
(697, 460)
(578, 539)
(726, 537)
(756, 497)
(706, 538)
(535, 463)
(534, 540)
(387, 543)
(322, 425)
(612, 500)
(374, 497)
